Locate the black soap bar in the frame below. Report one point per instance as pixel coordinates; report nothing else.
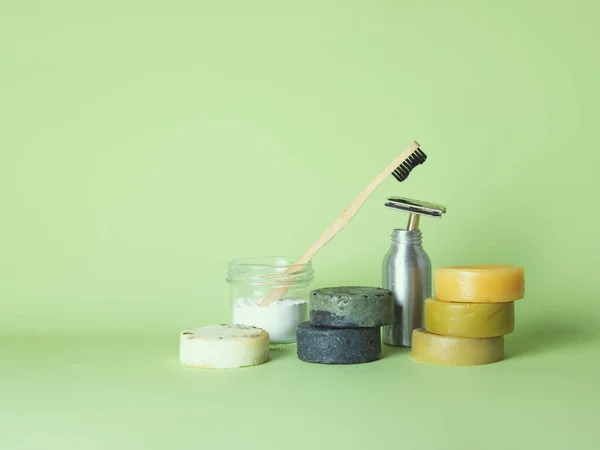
(337, 345)
(351, 307)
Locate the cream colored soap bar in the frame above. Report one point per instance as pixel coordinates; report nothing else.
(455, 351)
(224, 346)
(469, 320)
(480, 283)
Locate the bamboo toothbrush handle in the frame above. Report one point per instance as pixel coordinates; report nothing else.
(349, 213)
(338, 224)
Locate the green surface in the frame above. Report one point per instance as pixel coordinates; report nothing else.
(144, 144)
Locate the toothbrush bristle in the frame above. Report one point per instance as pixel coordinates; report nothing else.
(403, 170)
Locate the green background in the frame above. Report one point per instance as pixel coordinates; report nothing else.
(144, 144)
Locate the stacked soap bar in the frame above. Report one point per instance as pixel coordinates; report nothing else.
(344, 325)
(473, 310)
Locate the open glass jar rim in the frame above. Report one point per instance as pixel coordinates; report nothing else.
(275, 271)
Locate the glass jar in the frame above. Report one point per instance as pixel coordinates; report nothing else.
(252, 279)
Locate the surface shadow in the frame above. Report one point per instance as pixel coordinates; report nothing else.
(388, 351)
(540, 338)
(282, 353)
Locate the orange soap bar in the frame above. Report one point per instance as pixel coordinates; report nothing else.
(479, 283)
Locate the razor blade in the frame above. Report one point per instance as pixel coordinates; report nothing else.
(415, 208)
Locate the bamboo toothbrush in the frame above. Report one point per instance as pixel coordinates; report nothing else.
(400, 168)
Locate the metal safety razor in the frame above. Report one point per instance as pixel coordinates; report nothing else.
(415, 208)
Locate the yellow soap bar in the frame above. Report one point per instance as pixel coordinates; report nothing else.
(479, 283)
(469, 320)
(455, 351)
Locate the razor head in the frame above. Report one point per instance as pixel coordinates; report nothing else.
(415, 206)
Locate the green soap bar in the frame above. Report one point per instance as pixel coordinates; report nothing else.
(351, 307)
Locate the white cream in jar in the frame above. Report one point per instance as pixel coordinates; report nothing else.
(279, 319)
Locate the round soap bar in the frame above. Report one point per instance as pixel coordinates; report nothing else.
(469, 320)
(482, 283)
(337, 345)
(224, 346)
(455, 351)
(351, 307)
